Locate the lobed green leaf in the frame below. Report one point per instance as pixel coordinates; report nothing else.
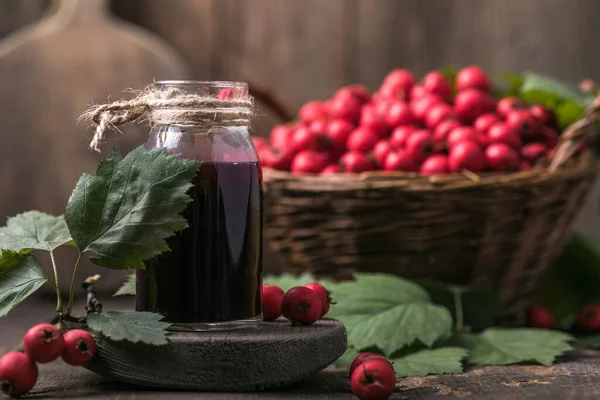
(125, 211)
(21, 275)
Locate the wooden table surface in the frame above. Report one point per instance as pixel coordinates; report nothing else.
(574, 377)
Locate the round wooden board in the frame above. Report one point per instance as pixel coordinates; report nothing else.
(272, 355)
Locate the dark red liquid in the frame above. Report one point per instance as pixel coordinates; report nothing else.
(213, 271)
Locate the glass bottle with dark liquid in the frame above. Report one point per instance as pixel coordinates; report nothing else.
(211, 277)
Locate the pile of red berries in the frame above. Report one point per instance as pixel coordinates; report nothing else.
(372, 377)
(431, 127)
(42, 343)
(301, 305)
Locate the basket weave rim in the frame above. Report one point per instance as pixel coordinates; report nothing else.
(414, 181)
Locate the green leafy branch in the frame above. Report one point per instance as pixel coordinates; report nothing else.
(121, 216)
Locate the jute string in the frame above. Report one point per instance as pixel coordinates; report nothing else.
(166, 107)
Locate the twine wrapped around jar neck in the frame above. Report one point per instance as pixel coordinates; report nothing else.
(171, 106)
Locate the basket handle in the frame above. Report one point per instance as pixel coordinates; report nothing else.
(281, 110)
(571, 138)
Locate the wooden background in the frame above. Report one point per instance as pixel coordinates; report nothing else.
(305, 49)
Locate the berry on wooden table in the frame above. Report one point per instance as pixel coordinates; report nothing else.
(43, 343)
(373, 380)
(324, 296)
(301, 305)
(80, 347)
(271, 302)
(362, 357)
(18, 374)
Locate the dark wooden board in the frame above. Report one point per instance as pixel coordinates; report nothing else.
(272, 355)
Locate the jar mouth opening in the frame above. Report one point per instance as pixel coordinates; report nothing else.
(203, 84)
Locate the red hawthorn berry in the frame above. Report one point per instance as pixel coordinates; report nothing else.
(362, 357)
(501, 157)
(435, 164)
(472, 77)
(434, 82)
(485, 121)
(355, 162)
(588, 318)
(324, 296)
(471, 103)
(312, 110)
(301, 305)
(541, 317)
(43, 343)
(18, 373)
(400, 135)
(309, 162)
(373, 380)
(508, 104)
(80, 347)
(271, 302)
(466, 155)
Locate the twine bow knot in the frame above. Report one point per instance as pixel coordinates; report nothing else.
(172, 106)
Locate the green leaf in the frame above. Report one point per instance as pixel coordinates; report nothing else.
(135, 327)
(568, 112)
(512, 85)
(592, 342)
(477, 308)
(128, 288)
(543, 89)
(498, 346)
(34, 230)
(388, 312)
(443, 360)
(573, 279)
(125, 211)
(20, 276)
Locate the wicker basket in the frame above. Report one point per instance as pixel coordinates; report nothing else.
(498, 230)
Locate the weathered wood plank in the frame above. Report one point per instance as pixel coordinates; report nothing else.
(16, 13)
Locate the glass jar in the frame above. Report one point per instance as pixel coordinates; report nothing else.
(211, 277)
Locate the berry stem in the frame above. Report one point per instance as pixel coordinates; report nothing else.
(57, 287)
(72, 287)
